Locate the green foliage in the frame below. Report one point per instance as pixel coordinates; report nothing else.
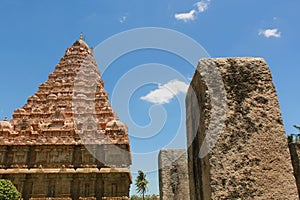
(290, 138)
(8, 191)
(297, 127)
(155, 197)
(147, 197)
(294, 137)
(141, 183)
(135, 197)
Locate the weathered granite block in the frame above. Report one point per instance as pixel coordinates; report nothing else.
(295, 155)
(173, 174)
(239, 150)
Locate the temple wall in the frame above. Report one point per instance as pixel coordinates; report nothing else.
(74, 186)
(53, 162)
(48, 156)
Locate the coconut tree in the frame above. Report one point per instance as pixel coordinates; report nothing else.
(141, 183)
(297, 139)
(297, 127)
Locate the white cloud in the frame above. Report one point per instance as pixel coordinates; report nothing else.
(190, 16)
(165, 93)
(270, 33)
(123, 19)
(202, 5)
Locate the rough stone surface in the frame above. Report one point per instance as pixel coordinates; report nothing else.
(295, 155)
(66, 141)
(250, 159)
(173, 174)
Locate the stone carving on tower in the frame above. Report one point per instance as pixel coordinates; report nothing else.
(66, 142)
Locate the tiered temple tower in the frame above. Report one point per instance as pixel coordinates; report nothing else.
(66, 142)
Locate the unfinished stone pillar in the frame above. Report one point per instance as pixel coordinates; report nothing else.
(295, 155)
(173, 174)
(237, 146)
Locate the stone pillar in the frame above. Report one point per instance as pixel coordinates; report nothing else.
(295, 155)
(64, 183)
(27, 187)
(3, 152)
(77, 159)
(31, 158)
(173, 174)
(39, 188)
(99, 186)
(75, 187)
(237, 143)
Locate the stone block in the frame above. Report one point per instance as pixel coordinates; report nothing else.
(295, 156)
(237, 146)
(173, 174)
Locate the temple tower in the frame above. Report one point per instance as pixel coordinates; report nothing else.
(66, 142)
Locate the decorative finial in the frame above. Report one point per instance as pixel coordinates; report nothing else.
(81, 36)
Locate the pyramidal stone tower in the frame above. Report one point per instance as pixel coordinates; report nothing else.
(66, 142)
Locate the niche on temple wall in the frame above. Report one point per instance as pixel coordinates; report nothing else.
(20, 155)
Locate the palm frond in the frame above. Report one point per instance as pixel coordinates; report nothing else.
(297, 127)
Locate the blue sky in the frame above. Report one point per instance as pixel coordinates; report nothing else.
(35, 34)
